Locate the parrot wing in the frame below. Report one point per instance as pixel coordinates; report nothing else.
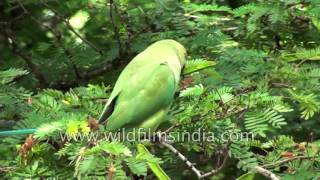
(107, 110)
(140, 95)
(125, 76)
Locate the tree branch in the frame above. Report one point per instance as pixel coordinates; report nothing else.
(6, 124)
(287, 160)
(123, 20)
(239, 111)
(26, 57)
(57, 35)
(93, 72)
(266, 173)
(115, 29)
(67, 23)
(199, 174)
(6, 169)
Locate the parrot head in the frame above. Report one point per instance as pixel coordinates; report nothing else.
(172, 52)
(179, 50)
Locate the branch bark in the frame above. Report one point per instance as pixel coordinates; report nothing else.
(25, 57)
(266, 173)
(287, 160)
(115, 29)
(67, 23)
(57, 36)
(7, 169)
(199, 174)
(93, 72)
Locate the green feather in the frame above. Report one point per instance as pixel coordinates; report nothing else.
(145, 89)
(17, 132)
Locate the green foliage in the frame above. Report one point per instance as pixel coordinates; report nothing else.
(259, 97)
(258, 122)
(12, 98)
(247, 159)
(309, 104)
(196, 65)
(303, 54)
(10, 74)
(197, 90)
(152, 162)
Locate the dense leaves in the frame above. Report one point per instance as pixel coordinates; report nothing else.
(257, 91)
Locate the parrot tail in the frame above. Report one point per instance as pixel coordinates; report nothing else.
(17, 132)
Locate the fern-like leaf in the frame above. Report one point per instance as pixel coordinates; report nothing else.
(259, 122)
(197, 65)
(10, 74)
(302, 55)
(194, 91)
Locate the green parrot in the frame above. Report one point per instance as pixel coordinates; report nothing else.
(144, 92)
(145, 88)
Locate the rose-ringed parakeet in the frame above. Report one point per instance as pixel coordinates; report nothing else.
(145, 88)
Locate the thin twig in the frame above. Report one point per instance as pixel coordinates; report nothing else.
(171, 128)
(280, 85)
(115, 29)
(57, 35)
(199, 174)
(123, 20)
(92, 72)
(26, 57)
(266, 173)
(229, 29)
(111, 172)
(226, 115)
(261, 169)
(77, 161)
(287, 160)
(67, 23)
(6, 169)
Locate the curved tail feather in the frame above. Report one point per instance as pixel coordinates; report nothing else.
(17, 132)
